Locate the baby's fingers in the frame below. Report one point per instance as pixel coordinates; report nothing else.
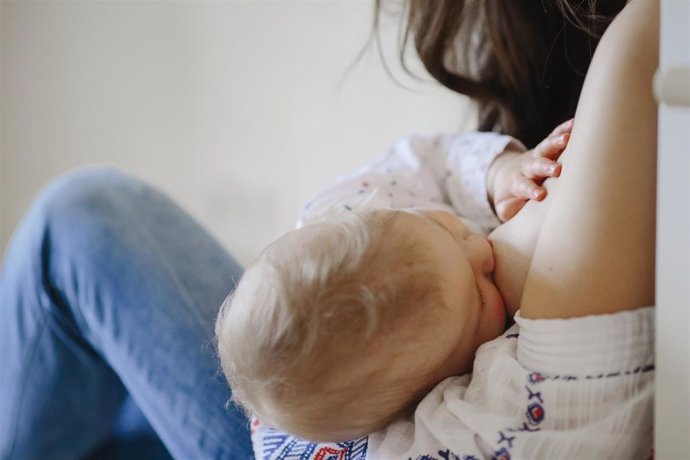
(526, 189)
(551, 147)
(540, 168)
(563, 128)
(506, 209)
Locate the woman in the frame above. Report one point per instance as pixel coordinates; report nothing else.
(575, 379)
(87, 256)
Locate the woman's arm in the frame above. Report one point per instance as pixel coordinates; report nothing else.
(595, 252)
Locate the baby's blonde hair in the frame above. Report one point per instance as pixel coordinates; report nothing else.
(318, 336)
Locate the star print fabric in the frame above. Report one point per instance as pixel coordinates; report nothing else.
(445, 171)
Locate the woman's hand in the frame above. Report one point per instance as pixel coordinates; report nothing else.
(515, 177)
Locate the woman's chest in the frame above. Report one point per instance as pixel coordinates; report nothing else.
(513, 244)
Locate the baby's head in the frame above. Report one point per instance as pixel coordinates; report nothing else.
(342, 326)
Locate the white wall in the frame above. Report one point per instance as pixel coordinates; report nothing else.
(236, 109)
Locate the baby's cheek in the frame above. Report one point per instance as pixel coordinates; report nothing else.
(459, 360)
(462, 363)
(495, 316)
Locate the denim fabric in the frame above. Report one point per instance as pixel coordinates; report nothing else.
(108, 295)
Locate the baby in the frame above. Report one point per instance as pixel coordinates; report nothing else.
(345, 324)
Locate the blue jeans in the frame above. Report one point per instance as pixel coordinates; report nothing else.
(108, 296)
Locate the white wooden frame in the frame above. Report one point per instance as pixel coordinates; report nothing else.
(672, 87)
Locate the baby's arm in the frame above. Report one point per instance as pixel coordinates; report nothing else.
(446, 172)
(516, 176)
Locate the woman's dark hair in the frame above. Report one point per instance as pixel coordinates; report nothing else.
(522, 61)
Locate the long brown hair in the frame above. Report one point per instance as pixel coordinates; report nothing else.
(522, 61)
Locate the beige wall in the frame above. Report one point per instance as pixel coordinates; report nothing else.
(236, 109)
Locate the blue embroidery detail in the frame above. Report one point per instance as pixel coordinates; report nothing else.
(502, 454)
(297, 450)
(358, 448)
(272, 441)
(637, 370)
(535, 413)
(508, 439)
(524, 427)
(281, 446)
(448, 455)
(445, 455)
(535, 377)
(512, 336)
(309, 448)
(533, 395)
(286, 450)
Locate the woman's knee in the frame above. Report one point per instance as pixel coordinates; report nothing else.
(87, 193)
(90, 201)
(71, 232)
(94, 208)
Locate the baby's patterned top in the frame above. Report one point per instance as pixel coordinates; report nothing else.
(445, 171)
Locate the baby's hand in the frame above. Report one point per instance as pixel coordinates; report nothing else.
(516, 177)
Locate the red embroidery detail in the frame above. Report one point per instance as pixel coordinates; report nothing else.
(255, 423)
(321, 453)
